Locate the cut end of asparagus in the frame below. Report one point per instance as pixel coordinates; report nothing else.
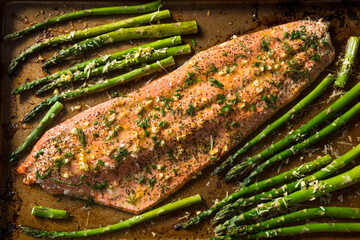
(44, 212)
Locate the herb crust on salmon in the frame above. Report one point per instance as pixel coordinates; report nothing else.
(132, 152)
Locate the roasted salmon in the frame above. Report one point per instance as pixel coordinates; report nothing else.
(132, 152)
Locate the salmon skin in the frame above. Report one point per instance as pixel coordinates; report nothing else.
(132, 152)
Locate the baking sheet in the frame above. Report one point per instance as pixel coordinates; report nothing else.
(217, 21)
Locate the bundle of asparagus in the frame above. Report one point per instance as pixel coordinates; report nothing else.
(133, 59)
(231, 205)
(153, 31)
(298, 133)
(235, 208)
(264, 229)
(109, 33)
(343, 119)
(106, 84)
(314, 191)
(96, 62)
(143, 8)
(89, 32)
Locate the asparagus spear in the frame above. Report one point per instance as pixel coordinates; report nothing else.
(115, 65)
(235, 208)
(291, 174)
(316, 190)
(153, 31)
(118, 226)
(305, 214)
(167, 42)
(41, 211)
(335, 125)
(301, 229)
(137, 73)
(143, 8)
(38, 131)
(350, 55)
(279, 122)
(298, 133)
(345, 99)
(89, 32)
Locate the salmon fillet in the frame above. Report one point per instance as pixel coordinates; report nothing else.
(132, 152)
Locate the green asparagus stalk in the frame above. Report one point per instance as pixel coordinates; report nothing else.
(90, 32)
(279, 122)
(118, 226)
(343, 101)
(167, 42)
(235, 208)
(38, 131)
(115, 65)
(144, 8)
(332, 127)
(137, 73)
(298, 133)
(153, 31)
(316, 190)
(346, 68)
(305, 214)
(307, 228)
(44, 212)
(291, 174)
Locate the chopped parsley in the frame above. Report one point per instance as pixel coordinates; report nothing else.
(70, 184)
(235, 124)
(45, 175)
(190, 80)
(191, 110)
(100, 186)
(265, 45)
(120, 154)
(220, 98)
(216, 83)
(225, 109)
(101, 162)
(58, 162)
(162, 124)
(162, 111)
(315, 57)
(151, 182)
(294, 34)
(38, 153)
(141, 179)
(193, 42)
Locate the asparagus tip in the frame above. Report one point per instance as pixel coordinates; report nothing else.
(179, 226)
(31, 231)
